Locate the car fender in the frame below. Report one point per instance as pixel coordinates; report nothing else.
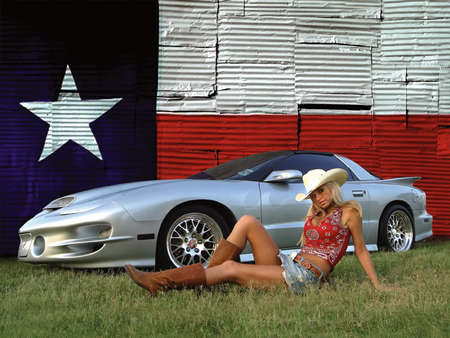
(153, 203)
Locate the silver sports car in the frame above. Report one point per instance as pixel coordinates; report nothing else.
(167, 223)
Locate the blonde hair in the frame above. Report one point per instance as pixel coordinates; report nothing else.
(336, 198)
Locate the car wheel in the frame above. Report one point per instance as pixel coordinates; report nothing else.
(397, 229)
(189, 236)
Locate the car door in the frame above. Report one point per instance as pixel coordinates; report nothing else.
(358, 191)
(281, 214)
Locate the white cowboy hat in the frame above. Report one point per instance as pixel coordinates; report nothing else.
(317, 177)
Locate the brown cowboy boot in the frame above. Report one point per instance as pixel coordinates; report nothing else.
(186, 276)
(225, 251)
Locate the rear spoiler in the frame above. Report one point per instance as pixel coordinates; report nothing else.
(402, 180)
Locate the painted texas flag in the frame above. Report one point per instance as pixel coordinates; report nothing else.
(69, 118)
(78, 84)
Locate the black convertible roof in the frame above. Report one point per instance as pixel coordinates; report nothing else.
(229, 168)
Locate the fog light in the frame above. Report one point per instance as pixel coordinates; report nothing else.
(38, 245)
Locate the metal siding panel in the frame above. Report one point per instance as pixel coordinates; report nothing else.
(332, 72)
(256, 40)
(231, 7)
(345, 131)
(444, 90)
(254, 70)
(401, 72)
(422, 97)
(369, 9)
(186, 137)
(346, 31)
(186, 105)
(301, 8)
(425, 9)
(183, 163)
(256, 88)
(389, 97)
(268, 7)
(395, 150)
(188, 23)
(405, 41)
(186, 71)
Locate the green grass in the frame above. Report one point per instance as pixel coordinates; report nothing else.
(43, 301)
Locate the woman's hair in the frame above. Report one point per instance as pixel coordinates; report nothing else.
(336, 197)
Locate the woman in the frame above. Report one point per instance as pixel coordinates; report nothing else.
(329, 224)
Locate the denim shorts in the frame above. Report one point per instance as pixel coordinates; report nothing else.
(297, 277)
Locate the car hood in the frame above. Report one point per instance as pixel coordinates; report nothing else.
(113, 190)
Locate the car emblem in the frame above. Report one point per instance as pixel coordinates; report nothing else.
(192, 243)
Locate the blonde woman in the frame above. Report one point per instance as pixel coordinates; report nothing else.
(329, 224)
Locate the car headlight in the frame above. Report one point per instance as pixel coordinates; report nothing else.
(59, 203)
(38, 245)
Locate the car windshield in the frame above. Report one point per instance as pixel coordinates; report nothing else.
(242, 168)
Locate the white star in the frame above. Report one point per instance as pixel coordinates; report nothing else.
(69, 117)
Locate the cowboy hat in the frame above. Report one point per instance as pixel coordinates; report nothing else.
(317, 177)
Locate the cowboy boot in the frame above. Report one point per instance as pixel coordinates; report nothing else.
(225, 251)
(187, 276)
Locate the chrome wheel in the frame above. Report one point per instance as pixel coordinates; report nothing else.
(399, 231)
(192, 238)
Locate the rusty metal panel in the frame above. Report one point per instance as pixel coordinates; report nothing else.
(186, 71)
(327, 73)
(187, 23)
(422, 9)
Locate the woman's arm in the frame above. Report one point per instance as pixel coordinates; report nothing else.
(353, 221)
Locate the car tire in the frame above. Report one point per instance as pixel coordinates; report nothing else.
(190, 235)
(396, 229)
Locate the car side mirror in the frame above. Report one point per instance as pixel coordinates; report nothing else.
(284, 176)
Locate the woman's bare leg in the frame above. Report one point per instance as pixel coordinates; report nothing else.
(245, 274)
(265, 251)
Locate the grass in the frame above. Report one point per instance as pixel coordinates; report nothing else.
(43, 301)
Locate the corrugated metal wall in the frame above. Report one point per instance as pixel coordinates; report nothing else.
(367, 79)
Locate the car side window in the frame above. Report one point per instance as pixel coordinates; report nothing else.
(306, 162)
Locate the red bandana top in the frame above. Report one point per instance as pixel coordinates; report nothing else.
(328, 240)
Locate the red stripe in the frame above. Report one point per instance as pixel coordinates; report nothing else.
(190, 143)
(390, 146)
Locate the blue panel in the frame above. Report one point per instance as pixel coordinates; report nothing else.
(112, 51)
